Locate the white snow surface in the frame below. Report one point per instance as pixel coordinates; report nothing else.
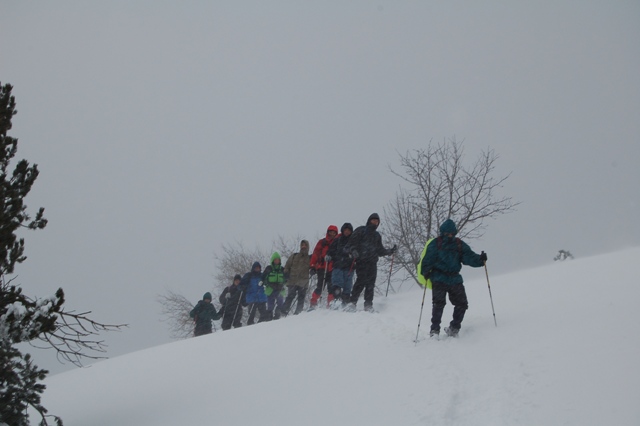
(565, 352)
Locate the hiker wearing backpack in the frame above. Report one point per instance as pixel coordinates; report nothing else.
(231, 300)
(442, 262)
(254, 296)
(275, 290)
(203, 313)
(318, 266)
(343, 265)
(296, 272)
(365, 246)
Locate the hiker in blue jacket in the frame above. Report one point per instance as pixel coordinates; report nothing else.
(255, 297)
(442, 264)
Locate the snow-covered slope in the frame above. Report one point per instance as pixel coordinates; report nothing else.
(565, 352)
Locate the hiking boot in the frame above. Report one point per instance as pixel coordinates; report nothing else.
(451, 332)
(351, 307)
(434, 334)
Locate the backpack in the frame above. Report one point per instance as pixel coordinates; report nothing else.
(426, 281)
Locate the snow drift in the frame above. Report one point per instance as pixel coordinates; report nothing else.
(564, 352)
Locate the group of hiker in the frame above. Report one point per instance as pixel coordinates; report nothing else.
(272, 292)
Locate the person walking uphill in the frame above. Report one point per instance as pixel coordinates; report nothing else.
(296, 273)
(254, 296)
(231, 300)
(275, 290)
(441, 264)
(203, 313)
(319, 266)
(365, 246)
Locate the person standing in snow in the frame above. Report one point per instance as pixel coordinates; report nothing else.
(441, 264)
(321, 268)
(203, 313)
(275, 290)
(365, 246)
(343, 265)
(254, 296)
(296, 273)
(231, 300)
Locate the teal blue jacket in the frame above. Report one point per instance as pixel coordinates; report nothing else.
(446, 255)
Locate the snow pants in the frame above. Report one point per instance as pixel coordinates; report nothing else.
(366, 274)
(342, 280)
(301, 293)
(232, 317)
(261, 307)
(457, 297)
(277, 300)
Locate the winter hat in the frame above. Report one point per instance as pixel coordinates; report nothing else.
(346, 225)
(448, 227)
(373, 216)
(237, 277)
(332, 228)
(206, 296)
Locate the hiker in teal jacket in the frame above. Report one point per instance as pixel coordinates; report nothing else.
(203, 313)
(442, 264)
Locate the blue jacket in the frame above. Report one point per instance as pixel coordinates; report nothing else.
(253, 292)
(446, 255)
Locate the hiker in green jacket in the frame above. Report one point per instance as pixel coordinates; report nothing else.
(442, 264)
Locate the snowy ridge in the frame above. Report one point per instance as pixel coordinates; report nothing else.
(564, 353)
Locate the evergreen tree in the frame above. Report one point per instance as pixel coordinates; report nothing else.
(24, 319)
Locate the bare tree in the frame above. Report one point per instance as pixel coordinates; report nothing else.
(175, 310)
(439, 185)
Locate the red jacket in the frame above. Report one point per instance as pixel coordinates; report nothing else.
(320, 251)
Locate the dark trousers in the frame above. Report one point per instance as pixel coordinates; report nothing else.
(324, 281)
(301, 293)
(366, 274)
(260, 307)
(457, 297)
(232, 317)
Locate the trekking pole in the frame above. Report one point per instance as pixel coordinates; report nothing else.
(390, 269)
(420, 319)
(490, 296)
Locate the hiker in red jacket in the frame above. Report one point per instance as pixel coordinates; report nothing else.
(321, 268)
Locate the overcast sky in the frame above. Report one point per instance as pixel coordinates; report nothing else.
(164, 129)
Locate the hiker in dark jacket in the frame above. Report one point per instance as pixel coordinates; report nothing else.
(441, 264)
(296, 272)
(322, 269)
(254, 296)
(365, 246)
(231, 300)
(343, 265)
(275, 290)
(203, 313)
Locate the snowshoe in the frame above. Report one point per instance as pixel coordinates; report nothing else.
(351, 307)
(451, 332)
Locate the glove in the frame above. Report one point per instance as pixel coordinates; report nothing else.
(312, 272)
(483, 256)
(393, 249)
(354, 254)
(260, 284)
(227, 296)
(327, 258)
